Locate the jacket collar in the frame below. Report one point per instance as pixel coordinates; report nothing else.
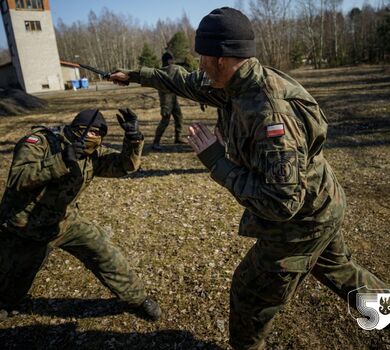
(242, 79)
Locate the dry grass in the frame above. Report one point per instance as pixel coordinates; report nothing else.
(180, 229)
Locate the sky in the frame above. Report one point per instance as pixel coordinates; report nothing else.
(147, 11)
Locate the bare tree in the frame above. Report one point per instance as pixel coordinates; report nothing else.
(335, 9)
(312, 30)
(316, 30)
(270, 22)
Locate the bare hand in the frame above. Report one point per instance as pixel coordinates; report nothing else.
(200, 137)
(219, 136)
(119, 78)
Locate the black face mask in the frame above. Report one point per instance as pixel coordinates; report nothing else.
(84, 117)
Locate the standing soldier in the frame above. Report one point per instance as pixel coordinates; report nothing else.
(267, 150)
(169, 105)
(39, 211)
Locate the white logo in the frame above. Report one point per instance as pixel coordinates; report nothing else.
(374, 305)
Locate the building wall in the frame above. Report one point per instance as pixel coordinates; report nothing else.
(8, 76)
(6, 5)
(70, 73)
(37, 62)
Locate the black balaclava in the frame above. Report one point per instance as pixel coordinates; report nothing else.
(225, 32)
(165, 58)
(81, 121)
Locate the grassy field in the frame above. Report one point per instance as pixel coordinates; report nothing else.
(179, 229)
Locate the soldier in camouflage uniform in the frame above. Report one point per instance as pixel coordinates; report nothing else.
(169, 105)
(267, 150)
(39, 211)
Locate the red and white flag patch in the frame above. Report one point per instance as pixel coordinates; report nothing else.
(32, 139)
(275, 130)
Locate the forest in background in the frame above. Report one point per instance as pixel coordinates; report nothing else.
(289, 33)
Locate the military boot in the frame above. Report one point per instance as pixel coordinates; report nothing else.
(156, 144)
(179, 140)
(150, 309)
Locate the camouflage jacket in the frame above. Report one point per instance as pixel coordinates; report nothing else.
(41, 191)
(168, 99)
(274, 133)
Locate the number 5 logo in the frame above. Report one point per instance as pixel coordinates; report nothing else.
(375, 306)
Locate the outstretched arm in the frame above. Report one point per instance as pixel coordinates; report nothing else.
(194, 85)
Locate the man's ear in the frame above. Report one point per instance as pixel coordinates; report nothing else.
(221, 62)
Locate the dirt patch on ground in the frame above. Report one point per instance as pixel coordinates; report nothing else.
(180, 229)
(18, 102)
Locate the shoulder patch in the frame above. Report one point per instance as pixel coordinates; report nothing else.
(32, 139)
(281, 167)
(275, 130)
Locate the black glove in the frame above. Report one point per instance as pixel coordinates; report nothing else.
(129, 123)
(73, 152)
(212, 154)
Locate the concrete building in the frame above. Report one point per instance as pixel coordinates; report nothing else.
(70, 71)
(32, 45)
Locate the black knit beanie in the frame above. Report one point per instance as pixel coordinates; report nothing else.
(225, 32)
(85, 116)
(165, 58)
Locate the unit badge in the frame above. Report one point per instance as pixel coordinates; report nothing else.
(281, 167)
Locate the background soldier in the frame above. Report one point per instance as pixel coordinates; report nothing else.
(273, 132)
(169, 105)
(50, 169)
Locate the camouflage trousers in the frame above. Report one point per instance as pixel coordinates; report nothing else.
(166, 113)
(21, 259)
(271, 272)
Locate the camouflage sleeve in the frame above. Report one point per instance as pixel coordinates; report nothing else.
(273, 184)
(31, 166)
(110, 163)
(181, 83)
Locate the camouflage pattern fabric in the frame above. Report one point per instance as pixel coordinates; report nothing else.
(169, 105)
(39, 210)
(271, 273)
(274, 132)
(288, 188)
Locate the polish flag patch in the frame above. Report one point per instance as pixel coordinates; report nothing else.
(32, 139)
(275, 130)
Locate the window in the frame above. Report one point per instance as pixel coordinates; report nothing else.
(32, 26)
(29, 4)
(45, 86)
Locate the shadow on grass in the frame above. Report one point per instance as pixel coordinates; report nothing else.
(352, 99)
(356, 131)
(7, 151)
(338, 82)
(67, 336)
(166, 148)
(71, 307)
(158, 173)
